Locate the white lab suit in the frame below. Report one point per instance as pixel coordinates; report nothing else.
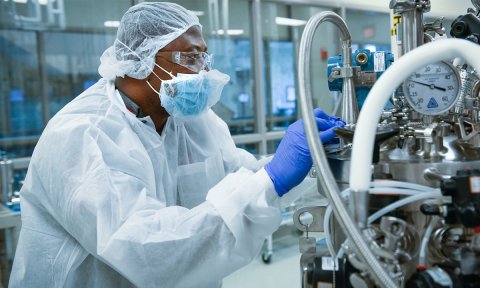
(101, 204)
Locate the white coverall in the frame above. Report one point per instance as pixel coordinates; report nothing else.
(101, 204)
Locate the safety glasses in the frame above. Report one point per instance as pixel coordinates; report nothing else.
(194, 61)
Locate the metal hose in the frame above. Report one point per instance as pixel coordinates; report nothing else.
(325, 177)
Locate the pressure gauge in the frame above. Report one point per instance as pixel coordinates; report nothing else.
(433, 89)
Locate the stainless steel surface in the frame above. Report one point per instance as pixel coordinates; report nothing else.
(476, 4)
(412, 30)
(308, 244)
(415, 171)
(432, 174)
(9, 218)
(435, 148)
(359, 208)
(315, 219)
(349, 100)
(444, 243)
(326, 180)
(21, 163)
(9, 194)
(476, 89)
(8, 142)
(435, 26)
(468, 80)
(42, 68)
(6, 180)
(259, 79)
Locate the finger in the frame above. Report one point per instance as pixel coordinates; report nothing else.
(323, 124)
(327, 135)
(320, 114)
(339, 123)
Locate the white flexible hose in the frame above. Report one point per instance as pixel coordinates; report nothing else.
(363, 140)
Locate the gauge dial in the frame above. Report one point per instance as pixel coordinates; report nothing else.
(433, 89)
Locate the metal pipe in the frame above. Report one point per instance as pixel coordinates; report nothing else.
(476, 3)
(326, 179)
(258, 72)
(42, 68)
(20, 163)
(349, 99)
(412, 29)
(364, 138)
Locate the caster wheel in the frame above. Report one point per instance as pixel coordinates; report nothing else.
(266, 258)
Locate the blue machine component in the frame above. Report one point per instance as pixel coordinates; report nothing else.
(370, 65)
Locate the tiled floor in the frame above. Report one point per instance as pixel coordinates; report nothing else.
(283, 271)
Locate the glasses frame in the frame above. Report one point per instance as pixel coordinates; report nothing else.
(189, 60)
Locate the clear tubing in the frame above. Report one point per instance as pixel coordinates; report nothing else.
(328, 239)
(415, 196)
(403, 202)
(399, 184)
(419, 195)
(425, 238)
(326, 180)
(363, 140)
(326, 225)
(393, 191)
(326, 230)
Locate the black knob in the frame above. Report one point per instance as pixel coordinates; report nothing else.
(430, 209)
(459, 29)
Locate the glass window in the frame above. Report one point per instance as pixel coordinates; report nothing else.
(49, 55)
(369, 30)
(251, 147)
(42, 73)
(226, 29)
(72, 68)
(272, 146)
(237, 104)
(282, 30)
(20, 90)
(282, 82)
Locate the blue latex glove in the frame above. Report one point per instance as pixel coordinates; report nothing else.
(292, 160)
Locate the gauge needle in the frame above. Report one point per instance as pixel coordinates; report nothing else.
(430, 85)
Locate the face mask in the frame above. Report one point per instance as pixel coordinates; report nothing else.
(188, 94)
(191, 94)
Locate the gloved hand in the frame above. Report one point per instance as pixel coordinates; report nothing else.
(292, 160)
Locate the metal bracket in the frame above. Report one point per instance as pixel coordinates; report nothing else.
(344, 72)
(314, 214)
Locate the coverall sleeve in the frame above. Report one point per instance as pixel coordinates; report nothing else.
(234, 157)
(99, 194)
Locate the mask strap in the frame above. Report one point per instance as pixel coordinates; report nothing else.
(163, 69)
(143, 62)
(151, 87)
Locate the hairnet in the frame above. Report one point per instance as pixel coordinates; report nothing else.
(144, 29)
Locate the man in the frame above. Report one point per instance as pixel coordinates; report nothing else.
(137, 182)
